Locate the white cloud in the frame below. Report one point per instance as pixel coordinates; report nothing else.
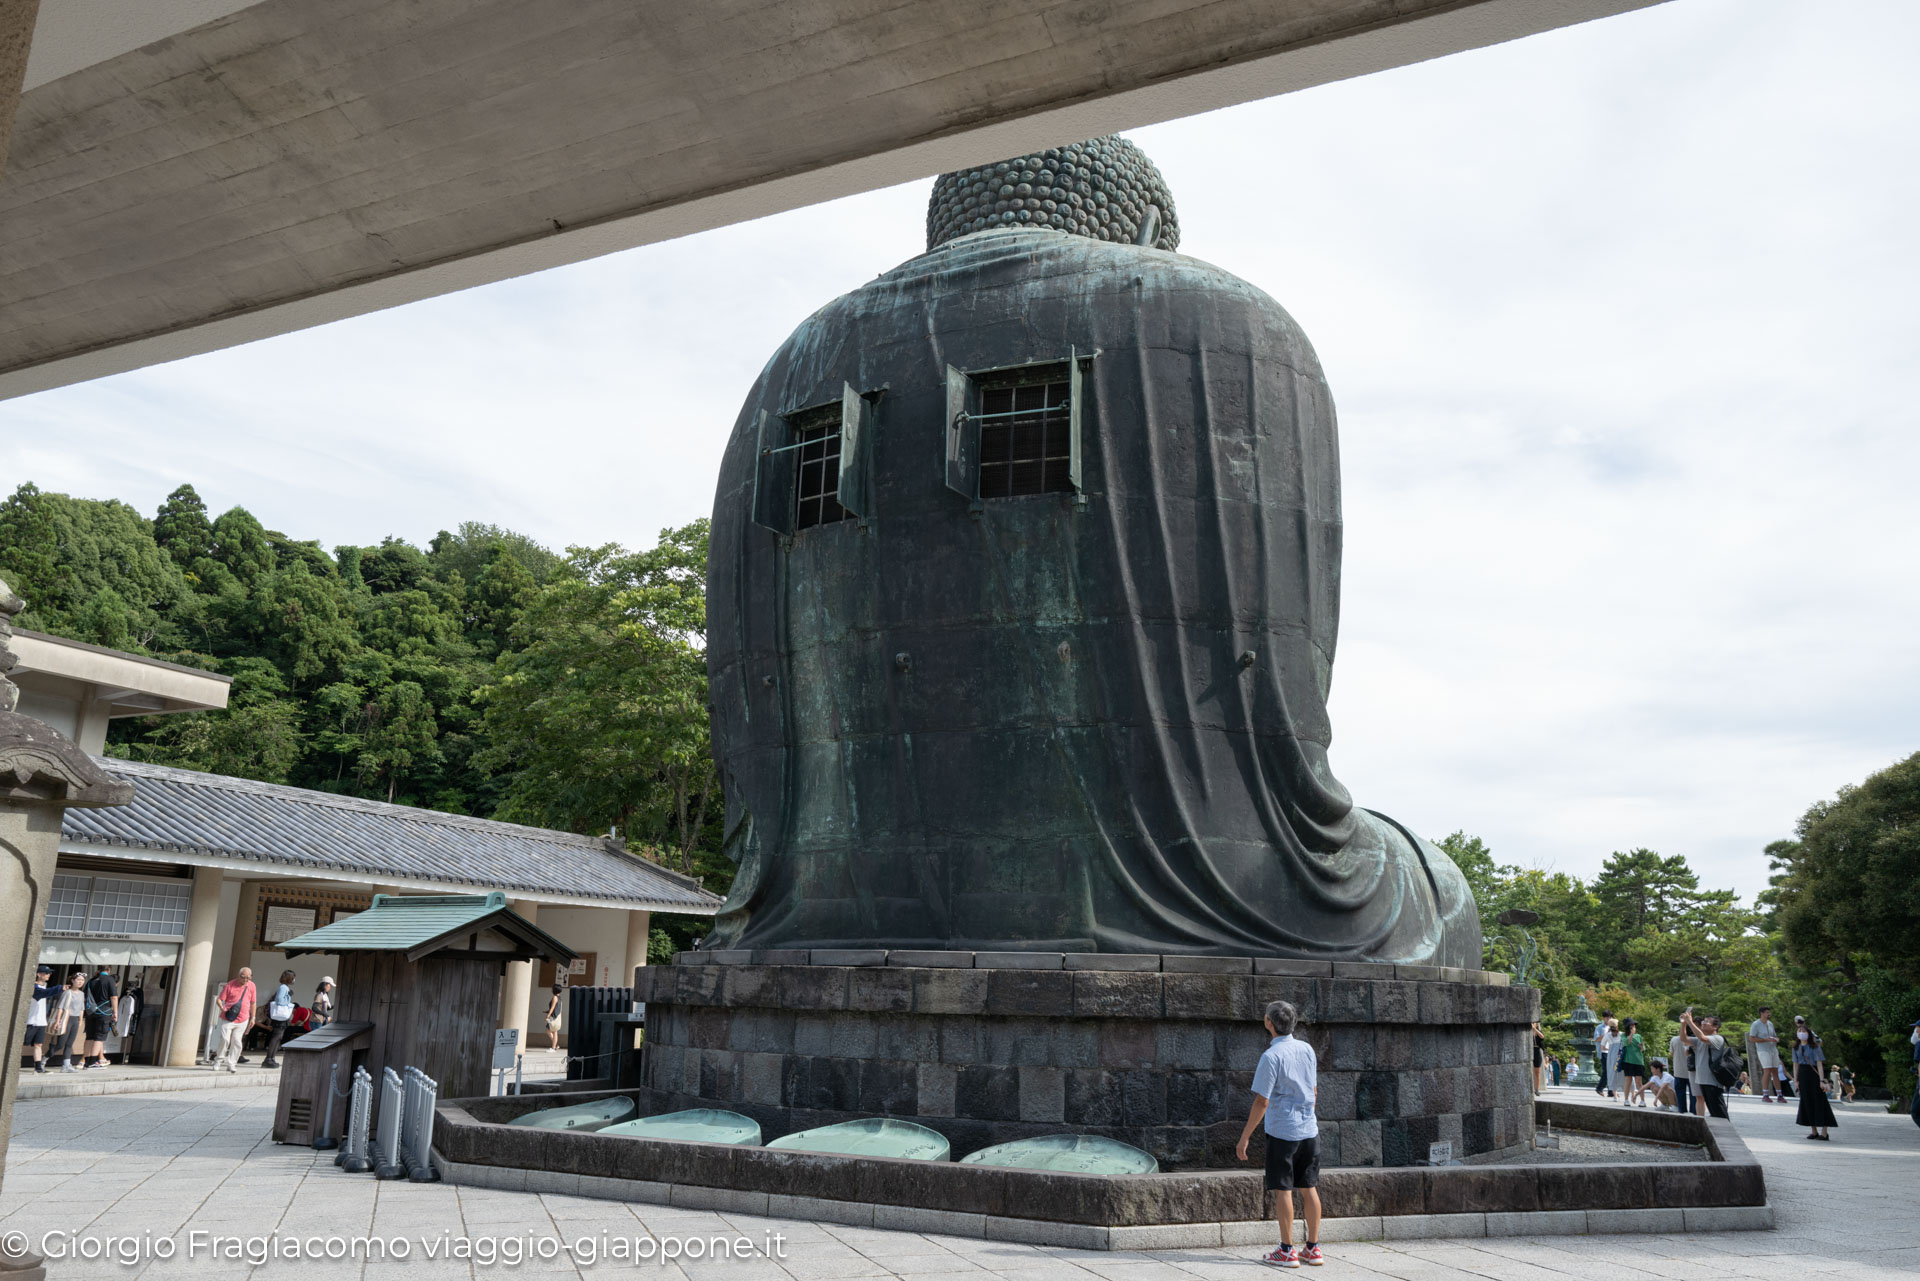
(1619, 324)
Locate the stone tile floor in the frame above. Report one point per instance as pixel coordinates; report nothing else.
(165, 1165)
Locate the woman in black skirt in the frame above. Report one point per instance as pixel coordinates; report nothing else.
(1815, 1112)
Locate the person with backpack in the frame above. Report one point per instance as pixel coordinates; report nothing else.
(102, 995)
(279, 1014)
(1702, 1038)
(1815, 1112)
(234, 1008)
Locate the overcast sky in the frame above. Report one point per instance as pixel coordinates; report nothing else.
(1619, 321)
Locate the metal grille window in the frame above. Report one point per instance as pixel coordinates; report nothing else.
(138, 907)
(1017, 430)
(67, 909)
(816, 492)
(1026, 440)
(813, 464)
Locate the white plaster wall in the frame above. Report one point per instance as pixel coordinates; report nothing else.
(600, 930)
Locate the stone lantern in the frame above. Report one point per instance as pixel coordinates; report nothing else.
(42, 773)
(1581, 1023)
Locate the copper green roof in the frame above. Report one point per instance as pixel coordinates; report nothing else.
(421, 923)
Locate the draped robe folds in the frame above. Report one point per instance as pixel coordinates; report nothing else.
(1036, 723)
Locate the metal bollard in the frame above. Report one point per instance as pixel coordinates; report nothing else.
(423, 1095)
(353, 1153)
(324, 1141)
(386, 1147)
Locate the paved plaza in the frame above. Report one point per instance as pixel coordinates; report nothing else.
(166, 1165)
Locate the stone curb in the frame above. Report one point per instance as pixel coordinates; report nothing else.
(1081, 1236)
(76, 1085)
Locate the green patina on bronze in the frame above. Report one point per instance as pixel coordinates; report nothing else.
(1082, 721)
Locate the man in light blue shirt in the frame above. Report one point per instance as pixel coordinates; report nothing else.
(1285, 1085)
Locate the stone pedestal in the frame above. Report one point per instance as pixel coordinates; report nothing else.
(1156, 1055)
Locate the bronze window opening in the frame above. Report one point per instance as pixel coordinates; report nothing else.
(817, 475)
(1026, 440)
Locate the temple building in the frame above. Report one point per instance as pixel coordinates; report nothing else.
(203, 874)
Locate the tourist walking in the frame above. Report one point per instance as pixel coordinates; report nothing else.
(1763, 1053)
(102, 995)
(553, 1014)
(1539, 1060)
(235, 1007)
(39, 1010)
(323, 1002)
(1604, 1038)
(1702, 1037)
(1816, 1113)
(1286, 1083)
(279, 1014)
(1633, 1064)
(69, 1018)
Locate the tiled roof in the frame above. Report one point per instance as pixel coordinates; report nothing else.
(293, 831)
(399, 923)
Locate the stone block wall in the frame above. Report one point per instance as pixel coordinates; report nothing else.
(1162, 1060)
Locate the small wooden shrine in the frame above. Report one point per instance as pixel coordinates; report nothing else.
(423, 972)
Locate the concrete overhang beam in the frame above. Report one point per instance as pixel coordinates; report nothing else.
(128, 680)
(290, 164)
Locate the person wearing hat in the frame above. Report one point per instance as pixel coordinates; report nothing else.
(45, 993)
(323, 1002)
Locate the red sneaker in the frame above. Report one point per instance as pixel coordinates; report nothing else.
(1282, 1257)
(1311, 1256)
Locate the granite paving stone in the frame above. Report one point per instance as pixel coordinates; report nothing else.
(170, 1163)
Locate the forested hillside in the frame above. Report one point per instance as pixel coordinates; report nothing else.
(484, 674)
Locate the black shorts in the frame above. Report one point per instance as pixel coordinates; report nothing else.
(98, 1025)
(1634, 1069)
(36, 1034)
(1292, 1163)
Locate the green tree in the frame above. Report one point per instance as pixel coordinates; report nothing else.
(1844, 898)
(257, 736)
(89, 570)
(475, 545)
(243, 546)
(400, 737)
(181, 527)
(598, 717)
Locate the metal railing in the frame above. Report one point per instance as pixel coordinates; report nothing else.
(386, 1144)
(353, 1153)
(416, 1140)
(324, 1141)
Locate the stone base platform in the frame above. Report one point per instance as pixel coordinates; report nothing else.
(1154, 1051)
(474, 1146)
